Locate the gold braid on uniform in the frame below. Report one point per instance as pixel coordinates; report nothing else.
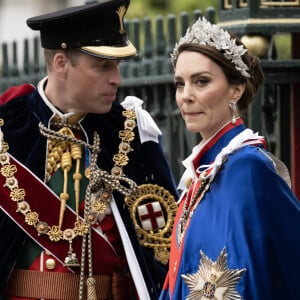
(98, 180)
(63, 147)
(147, 200)
(32, 218)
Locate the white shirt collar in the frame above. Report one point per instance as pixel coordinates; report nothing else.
(63, 116)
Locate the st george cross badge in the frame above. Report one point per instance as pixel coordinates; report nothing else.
(151, 216)
(153, 210)
(213, 280)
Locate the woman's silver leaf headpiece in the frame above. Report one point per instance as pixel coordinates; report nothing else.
(204, 33)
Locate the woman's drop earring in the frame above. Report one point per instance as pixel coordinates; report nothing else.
(233, 107)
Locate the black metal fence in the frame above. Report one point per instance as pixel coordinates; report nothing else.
(149, 76)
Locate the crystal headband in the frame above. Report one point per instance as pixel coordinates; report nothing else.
(204, 33)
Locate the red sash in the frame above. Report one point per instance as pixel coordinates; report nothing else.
(43, 201)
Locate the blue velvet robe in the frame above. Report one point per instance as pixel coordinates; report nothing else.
(249, 211)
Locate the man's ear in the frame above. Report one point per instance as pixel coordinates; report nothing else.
(60, 64)
(237, 91)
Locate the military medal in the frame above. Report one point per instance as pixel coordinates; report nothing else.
(153, 209)
(213, 280)
(71, 260)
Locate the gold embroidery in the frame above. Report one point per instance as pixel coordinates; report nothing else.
(8, 170)
(121, 13)
(17, 194)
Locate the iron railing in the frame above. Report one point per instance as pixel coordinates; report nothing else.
(149, 76)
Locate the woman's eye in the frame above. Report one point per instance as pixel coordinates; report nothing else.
(202, 81)
(178, 84)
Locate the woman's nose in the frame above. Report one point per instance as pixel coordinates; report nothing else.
(187, 94)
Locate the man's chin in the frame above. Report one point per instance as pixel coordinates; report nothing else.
(103, 109)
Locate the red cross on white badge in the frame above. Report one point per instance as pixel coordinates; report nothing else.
(151, 216)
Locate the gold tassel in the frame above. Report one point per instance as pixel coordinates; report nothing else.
(91, 288)
(66, 164)
(77, 155)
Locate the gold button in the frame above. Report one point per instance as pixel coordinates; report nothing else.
(50, 263)
(87, 172)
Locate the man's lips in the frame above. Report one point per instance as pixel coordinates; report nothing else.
(110, 95)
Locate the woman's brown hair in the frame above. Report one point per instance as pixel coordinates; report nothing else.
(232, 74)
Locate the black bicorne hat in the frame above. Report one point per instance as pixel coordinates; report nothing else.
(97, 29)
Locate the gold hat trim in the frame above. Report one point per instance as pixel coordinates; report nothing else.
(110, 51)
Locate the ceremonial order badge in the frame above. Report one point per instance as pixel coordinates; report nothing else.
(213, 280)
(153, 210)
(121, 13)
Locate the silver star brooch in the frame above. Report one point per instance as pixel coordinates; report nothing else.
(213, 280)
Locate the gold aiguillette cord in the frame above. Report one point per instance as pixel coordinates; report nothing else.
(87, 240)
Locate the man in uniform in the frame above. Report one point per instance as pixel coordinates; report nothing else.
(87, 197)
